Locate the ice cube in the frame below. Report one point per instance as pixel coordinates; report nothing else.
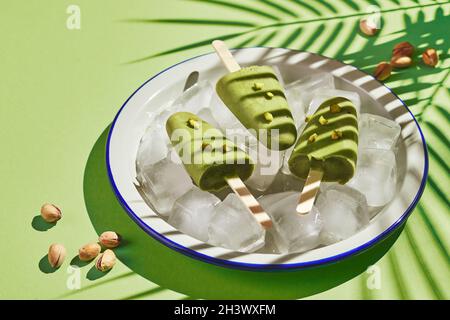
(322, 94)
(291, 182)
(377, 132)
(267, 162)
(278, 74)
(163, 183)
(267, 165)
(195, 98)
(375, 176)
(159, 117)
(153, 147)
(343, 211)
(285, 182)
(293, 232)
(270, 199)
(299, 93)
(192, 213)
(235, 228)
(223, 116)
(270, 246)
(206, 115)
(285, 167)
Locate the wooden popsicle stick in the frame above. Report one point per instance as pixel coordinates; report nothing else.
(225, 55)
(235, 183)
(253, 206)
(309, 192)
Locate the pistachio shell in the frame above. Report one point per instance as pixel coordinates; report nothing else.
(50, 212)
(382, 71)
(56, 255)
(367, 28)
(430, 57)
(106, 261)
(110, 239)
(401, 61)
(89, 251)
(403, 49)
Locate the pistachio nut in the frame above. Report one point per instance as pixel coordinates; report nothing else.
(430, 57)
(50, 212)
(106, 261)
(89, 251)
(109, 239)
(401, 61)
(368, 28)
(382, 71)
(403, 49)
(56, 255)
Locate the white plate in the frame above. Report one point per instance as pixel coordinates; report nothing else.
(132, 119)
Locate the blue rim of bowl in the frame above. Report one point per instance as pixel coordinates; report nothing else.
(255, 266)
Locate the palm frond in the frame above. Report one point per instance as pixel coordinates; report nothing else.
(241, 8)
(190, 46)
(246, 42)
(210, 22)
(423, 265)
(398, 275)
(291, 37)
(146, 293)
(437, 239)
(304, 5)
(267, 39)
(279, 7)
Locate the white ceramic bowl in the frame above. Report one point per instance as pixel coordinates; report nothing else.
(132, 119)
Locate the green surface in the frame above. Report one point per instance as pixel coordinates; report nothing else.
(61, 88)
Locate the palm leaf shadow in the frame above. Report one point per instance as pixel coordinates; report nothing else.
(241, 8)
(276, 21)
(189, 46)
(280, 8)
(212, 22)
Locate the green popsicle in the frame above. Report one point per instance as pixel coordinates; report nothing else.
(329, 142)
(207, 155)
(256, 98)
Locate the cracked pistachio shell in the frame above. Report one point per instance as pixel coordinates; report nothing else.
(89, 251)
(106, 261)
(109, 239)
(50, 212)
(56, 255)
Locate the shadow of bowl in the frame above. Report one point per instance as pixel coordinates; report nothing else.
(170, 269)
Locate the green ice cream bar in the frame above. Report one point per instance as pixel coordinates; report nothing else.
(206, 154)
(256, 98)
(328, 143)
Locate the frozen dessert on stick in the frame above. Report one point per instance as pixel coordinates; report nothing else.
(327, 149)
(256, 98)
(213, 161)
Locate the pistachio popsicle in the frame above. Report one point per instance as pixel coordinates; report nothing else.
(327, 149)
(256, 98)
(207, 155)
(212, 161)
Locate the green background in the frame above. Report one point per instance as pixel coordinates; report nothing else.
(61, 89)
